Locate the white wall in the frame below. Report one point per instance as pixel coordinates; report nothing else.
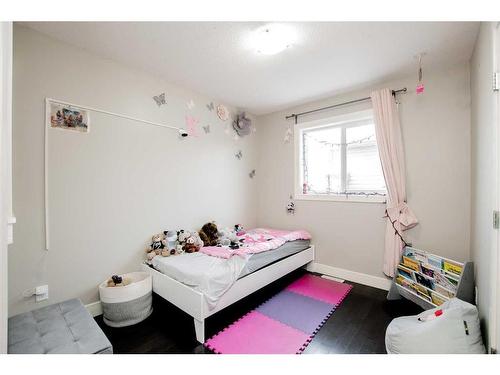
(436, 131)
(112, 188)
(483, 168)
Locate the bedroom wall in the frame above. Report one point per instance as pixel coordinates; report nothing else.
(483, 170)
(112, 188)
(350, 236)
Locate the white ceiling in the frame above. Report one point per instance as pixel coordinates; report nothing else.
(213, 59)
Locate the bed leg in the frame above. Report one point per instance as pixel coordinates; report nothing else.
(199, 327)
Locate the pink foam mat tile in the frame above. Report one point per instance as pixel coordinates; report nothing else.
(256, 333)
(316, 287)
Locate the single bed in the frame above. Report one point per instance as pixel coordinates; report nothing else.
(201, 285)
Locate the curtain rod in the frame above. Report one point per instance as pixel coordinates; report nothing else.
(181, 131)
(295, 115)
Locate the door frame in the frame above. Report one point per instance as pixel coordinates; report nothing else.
(494, 313)
(6, 217)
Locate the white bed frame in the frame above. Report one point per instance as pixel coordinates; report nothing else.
(194, 303)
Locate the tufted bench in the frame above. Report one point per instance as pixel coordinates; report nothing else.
(65, 327)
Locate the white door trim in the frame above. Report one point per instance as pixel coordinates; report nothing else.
(5, 171)
(494, 313)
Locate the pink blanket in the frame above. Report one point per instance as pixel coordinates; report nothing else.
(257, 241)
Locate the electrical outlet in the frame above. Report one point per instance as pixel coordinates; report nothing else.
(41, 293)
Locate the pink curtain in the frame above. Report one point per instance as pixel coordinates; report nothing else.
(390, 145)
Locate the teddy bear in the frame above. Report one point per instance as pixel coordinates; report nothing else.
(158, 242)
(209, 234)
(150, 254)
(192, 243)
(157, 246)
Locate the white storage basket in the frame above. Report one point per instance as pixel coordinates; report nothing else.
(130, 304)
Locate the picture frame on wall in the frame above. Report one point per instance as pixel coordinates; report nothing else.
(67, 117)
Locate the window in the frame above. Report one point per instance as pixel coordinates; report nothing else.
(338, 159)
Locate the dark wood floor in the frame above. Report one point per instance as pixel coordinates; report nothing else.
(357, 326)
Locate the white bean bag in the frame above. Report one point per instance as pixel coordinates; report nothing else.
(455, 330)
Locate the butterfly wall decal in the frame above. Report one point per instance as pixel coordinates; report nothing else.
(252, 173)
(288, 135)
(191, 126)
(210, 106)
(206, 129)
(222, 112)
(190, 104)
(239, 155)
(160, 99)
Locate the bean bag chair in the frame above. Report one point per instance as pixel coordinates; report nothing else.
(452, 328)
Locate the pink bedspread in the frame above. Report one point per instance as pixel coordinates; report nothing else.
(257, 241)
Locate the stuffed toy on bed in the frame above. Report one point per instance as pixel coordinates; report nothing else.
(209, 234)
(229, 238)
(158, 242)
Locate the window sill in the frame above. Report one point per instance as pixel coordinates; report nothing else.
(342, 198)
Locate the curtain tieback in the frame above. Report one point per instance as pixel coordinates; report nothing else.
(403, 215)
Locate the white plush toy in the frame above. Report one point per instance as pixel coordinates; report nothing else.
(227, 237)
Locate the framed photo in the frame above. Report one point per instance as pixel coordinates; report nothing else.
(67, 117)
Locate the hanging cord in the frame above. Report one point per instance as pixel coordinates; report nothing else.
(395, 230)
(420, 74)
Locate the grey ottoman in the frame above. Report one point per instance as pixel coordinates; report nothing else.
(65, 327)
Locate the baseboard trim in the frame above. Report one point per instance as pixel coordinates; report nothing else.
(94, 308)
(357, 277)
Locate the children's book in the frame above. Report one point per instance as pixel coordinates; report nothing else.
(452, 268)
(406, 272)
(452, 279)
(434, 261)
(422, 280)
(404, 282)
(411, 263)
(445, 292)
(442, 280)
(422, 292)
(416, 254)
(437, 299)
(427, 270)
(420, 289)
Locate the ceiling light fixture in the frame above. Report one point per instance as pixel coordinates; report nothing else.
(272, 39)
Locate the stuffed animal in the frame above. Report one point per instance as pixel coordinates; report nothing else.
(209, 234)
(165, 252)
(157, 245)
(238, 228)
(193, 243)
(158, 241)
(116, 280)
(170, 238)
(226, 236)
(178, 249)
(182, 235)
(229, 238)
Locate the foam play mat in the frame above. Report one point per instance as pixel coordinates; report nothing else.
(286, 323)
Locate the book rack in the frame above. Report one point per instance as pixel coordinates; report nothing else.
(430, 280)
